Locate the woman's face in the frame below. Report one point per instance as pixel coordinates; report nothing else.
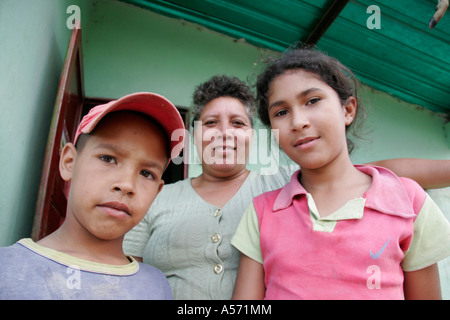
(222, 135)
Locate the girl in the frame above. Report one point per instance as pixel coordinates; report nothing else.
(335, 231)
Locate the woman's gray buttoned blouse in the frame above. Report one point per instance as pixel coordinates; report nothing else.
(189, 239)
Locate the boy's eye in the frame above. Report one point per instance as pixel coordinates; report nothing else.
(147, 174)
(108, 159)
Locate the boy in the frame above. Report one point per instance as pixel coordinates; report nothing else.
(120, 152)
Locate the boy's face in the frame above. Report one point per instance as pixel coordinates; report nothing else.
(115, 176)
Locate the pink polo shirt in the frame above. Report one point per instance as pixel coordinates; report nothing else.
(355, 253)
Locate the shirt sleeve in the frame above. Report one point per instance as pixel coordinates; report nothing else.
(431, 239)
(246, 237)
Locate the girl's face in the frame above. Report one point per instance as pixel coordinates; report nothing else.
(222, 136)
(310, 118)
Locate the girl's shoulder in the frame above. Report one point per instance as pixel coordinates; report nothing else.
(392, 183)
(415, 193)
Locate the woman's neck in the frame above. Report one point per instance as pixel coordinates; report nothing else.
(208, 177)
(219, 189)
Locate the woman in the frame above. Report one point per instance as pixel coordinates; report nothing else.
(187, 231)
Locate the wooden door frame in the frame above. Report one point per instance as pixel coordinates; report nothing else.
(69, 101)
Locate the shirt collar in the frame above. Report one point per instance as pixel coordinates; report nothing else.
(386, 194)
(288, 192)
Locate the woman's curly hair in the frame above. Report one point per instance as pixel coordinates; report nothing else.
(223, 86)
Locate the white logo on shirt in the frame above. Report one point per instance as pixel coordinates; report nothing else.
(74, 280)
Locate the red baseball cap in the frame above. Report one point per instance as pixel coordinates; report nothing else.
(151, 104)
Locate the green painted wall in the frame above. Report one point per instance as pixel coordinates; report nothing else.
(33, 41)
(127, 49)
(398, 129)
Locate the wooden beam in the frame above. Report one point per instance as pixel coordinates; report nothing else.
(325, 22)
(447, 133)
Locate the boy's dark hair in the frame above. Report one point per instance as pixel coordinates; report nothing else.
(330, 71)
(223, 86)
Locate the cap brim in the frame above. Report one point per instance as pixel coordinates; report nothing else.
(151, 104)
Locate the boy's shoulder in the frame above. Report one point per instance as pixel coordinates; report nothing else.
(150, 283)
(151, 272)
(30, 272)
(15, 253)
(22, 273)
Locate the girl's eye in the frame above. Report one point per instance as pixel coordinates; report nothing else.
(108, 159)
(147, 174)
(280, 113)
(313, 101)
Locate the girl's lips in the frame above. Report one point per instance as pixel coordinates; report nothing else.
(306, 142)
(115, 208)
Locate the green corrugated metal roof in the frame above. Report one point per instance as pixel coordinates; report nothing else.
(403, 58)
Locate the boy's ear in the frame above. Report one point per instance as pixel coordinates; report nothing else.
(350, 110)
(161, 185)
(67, 161)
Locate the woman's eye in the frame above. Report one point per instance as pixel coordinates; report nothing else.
(210, 123)
(108, 159)
(238, 123)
